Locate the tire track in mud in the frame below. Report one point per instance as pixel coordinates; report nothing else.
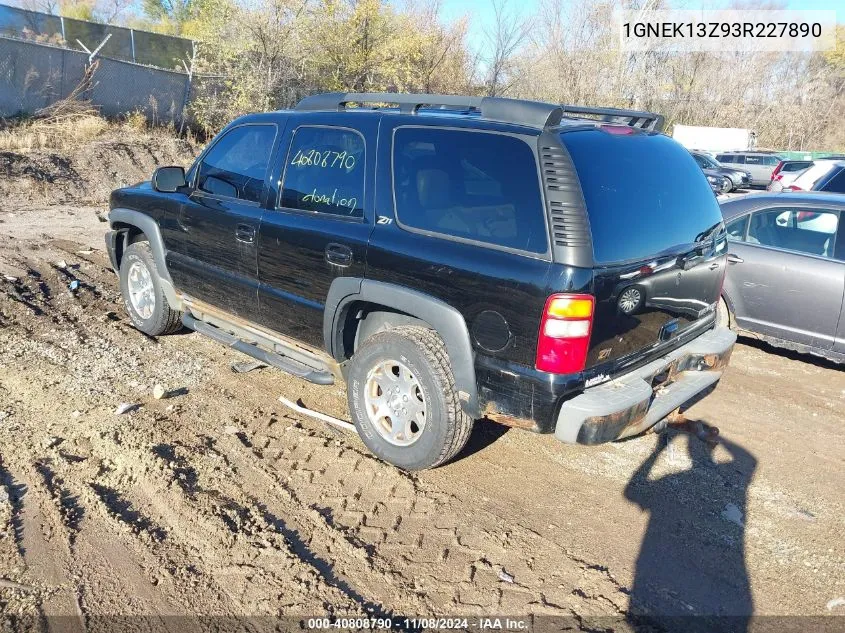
(274, 517)
(233, 548)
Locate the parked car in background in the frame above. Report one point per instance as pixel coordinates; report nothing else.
(786, 270)
(736, 178)
(719, 184)
(786, 172)
(759, 164)
(823, 175)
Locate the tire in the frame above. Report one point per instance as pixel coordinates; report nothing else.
(723, 314)
(631, 300)
(420, 357)
(150, 313)
(733, 185)
(726, 187)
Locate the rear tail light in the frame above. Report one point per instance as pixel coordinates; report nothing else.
(794, 188)
(777, 169)
(777, 176)
(565, 333)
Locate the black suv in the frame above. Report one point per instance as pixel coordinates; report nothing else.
(450, 258)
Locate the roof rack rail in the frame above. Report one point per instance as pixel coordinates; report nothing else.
(633, 118)
(531, 113)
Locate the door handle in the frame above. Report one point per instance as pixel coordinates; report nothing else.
(338, 254)
(735, 259)
(245, 233)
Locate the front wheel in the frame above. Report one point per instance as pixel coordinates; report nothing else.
(403, 400)
(727, 185)
(143, 297)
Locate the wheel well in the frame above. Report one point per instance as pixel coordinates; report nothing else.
(130, 234)
(363, 319)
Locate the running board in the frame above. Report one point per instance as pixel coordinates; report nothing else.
(288, 365)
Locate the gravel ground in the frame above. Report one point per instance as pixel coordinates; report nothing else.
(217, 500)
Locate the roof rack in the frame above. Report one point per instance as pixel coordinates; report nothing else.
(531, 113)
(633, 118)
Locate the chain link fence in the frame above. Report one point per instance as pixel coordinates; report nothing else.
(34, 75)
(132, 45)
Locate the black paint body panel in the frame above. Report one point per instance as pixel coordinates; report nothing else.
(282, 280)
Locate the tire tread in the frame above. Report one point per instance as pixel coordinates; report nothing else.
(459, 424)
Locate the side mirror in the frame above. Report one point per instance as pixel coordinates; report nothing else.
(168, 179)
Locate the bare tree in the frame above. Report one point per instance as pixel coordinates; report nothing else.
(504, 39)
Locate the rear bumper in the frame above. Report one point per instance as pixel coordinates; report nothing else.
(636, 401)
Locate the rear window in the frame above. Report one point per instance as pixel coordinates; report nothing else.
(796, 166)
(472, 186)
(644, 193)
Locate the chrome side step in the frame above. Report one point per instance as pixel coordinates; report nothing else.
(300, 370)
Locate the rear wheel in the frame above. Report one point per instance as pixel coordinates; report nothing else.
(143, 297)
(403, 399)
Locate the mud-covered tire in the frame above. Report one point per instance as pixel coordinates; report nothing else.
(422, 351)
(163, 319)
(723, 314)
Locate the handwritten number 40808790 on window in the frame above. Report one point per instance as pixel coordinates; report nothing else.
(328, 159)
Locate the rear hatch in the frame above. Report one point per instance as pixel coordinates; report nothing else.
(659, 244)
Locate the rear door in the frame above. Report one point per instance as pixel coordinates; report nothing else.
(214, 257)
(320, 222)
(787, 278)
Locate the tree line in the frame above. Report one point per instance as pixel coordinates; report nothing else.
(268, 54)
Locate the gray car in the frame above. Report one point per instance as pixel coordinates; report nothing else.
(759, 164)
(786, 270)
(732, 177)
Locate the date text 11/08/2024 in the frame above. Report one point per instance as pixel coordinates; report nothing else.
(432, 623)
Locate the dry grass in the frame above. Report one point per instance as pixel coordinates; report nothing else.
(58, 134)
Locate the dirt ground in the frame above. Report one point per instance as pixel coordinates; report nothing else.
(217, 500)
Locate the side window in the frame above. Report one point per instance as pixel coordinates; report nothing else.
(754, 160)
(701, 162)
(471, 185)
(771, 161)
(724, 158)
(237, 163)
(836, 184)
(804, 231)
(325, 172)
(736, 229)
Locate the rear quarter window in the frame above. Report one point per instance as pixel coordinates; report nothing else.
(473, 186)
(644, 193)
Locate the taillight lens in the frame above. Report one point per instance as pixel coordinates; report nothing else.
(794, 188)
(777, 169)
(565, 333)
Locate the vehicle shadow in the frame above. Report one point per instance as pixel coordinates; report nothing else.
(690, 573)
(484, 433)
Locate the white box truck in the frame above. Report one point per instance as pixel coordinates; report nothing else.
(714, 139)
